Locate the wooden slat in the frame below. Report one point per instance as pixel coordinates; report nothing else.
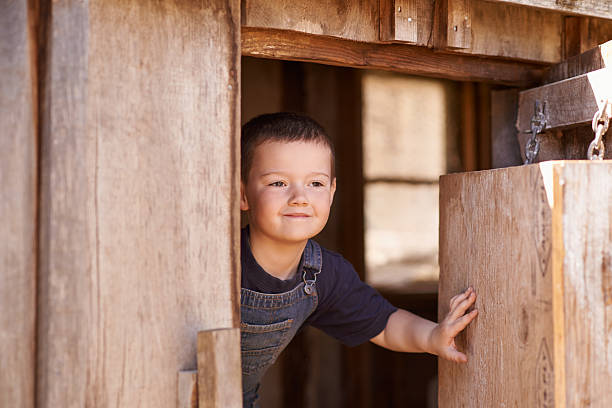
(583, 281)
(526, 238)
(568, 144)
(594, 8)
(407, 21)
(18, 198)
(351, 20)
(139, 221)
(591, 60)
(187, 389)
(454, 24)
(508, 31)
(289, 45)
(219, 370)
(568, 103)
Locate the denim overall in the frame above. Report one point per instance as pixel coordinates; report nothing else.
(269, 322)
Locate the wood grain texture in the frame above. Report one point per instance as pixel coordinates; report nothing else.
(570, 102)
(351, 20)
(524, 237)
(568, 144)
(18, 197)
(505, 30)
(583, 209)
(219, 370)
(139, 217)
(407, 21)
(590, 60)
(594, 8)
(454, 22)
(495, 236)
(288, 45)
(187, 389)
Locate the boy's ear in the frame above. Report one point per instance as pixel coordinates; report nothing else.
(244, 204)
(332, 191)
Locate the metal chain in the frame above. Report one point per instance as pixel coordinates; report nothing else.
(538, 124)
(601, 121)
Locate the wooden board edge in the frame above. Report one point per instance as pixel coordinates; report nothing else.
(409, 59)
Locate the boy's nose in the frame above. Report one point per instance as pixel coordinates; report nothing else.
(298, 196)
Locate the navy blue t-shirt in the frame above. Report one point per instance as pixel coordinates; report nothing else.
(348, 310)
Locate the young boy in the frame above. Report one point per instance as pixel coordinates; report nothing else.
(288, 280)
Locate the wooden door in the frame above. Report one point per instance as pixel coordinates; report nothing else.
(126, 244)
(535, 241)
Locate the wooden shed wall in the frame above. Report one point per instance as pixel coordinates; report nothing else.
(138, 222)
(18, 179)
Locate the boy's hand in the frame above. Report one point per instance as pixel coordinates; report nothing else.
(442, 337)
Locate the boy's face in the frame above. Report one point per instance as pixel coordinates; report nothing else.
(289, 190)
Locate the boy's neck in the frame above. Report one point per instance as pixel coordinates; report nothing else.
(278, 259)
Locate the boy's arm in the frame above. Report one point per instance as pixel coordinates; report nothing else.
(410, 333)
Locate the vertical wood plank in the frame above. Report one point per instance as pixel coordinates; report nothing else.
(584, 197)
(18, 198)
(495, 236)
(536, 243)
(219, 371)
(139, 217)
(459, 27)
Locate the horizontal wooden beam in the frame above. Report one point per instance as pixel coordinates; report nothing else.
(591, 8)
(296, 46)
(567, 103)
(591, 60)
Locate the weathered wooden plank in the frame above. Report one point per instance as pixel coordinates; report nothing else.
(568, 144)
(505, 149)
(289, 45)
(18, 197)
(351, 20)
(407, 21)
(567, 103)
(474, 27)
(582, 228)
(526, 239)
(594, 8)
(453, 28)
(219, 370)
(139, 222)
(187, 389)
(591, 60)
(504, 30)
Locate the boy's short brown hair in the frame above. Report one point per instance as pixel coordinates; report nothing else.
(281, 127)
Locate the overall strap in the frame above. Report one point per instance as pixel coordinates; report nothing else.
(313, 261)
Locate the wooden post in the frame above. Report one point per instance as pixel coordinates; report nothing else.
(139, 218)
(536, 244)
(18, 194)
(219, 370)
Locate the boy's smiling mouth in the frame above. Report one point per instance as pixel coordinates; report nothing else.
(297, 215)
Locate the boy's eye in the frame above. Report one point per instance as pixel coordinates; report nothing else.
(277, 184)
(317, 184)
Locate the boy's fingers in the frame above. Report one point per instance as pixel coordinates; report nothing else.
(463, 306)
(464, 320)
(459, 297)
